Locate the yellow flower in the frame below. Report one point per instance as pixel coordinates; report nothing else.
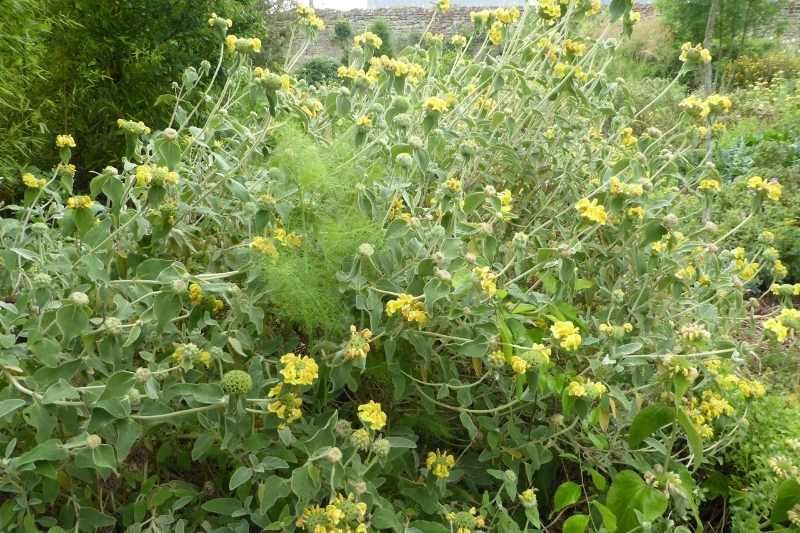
(144, 175)
(590, 210)
(368, 38)
(488, 280)
(33, 182)
(453, 184)
(549, 9)
(230, 42)
(80, 202)
(776, 326)
(286, 406)
(628, 138)
(195, 294)
(561, 69)
(411, 309)
(709, 185)
(458, 40)
(372, 415)
(65, 141)
(634, 16)
(575, 48)
(265, 246)
(443, 5)
(519, 365)
(636, 212)
(694, 53)
(439, 463)
(299, 370)
(496, 33)
(568, 333)
(576, 389)
(435, 105)
(364, 121)
(358, 346)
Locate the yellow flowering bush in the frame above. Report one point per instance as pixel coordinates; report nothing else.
(410, 301)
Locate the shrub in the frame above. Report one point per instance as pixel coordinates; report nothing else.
(121, 57)
(319, 70)
(342, 33)
(381, 28)
(439, 297)
(749, 69)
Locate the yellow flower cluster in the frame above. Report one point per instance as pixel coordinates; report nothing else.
(286, 405)
(772, 188)
(704, 414)
(592, 211)
(243, 44)
(787, 321)
(439, 463)
(487, 16)
(686, 273)
(33, 182)
(368, 38)
(636, 212)
(719, 103)
(372, 415)
(488, 280)
(634, 16)
(549, 9)
(709, 185)
(668, 241)
(145, 174)
(195, 294)
(80, 202)
(355, 74)
(628, 138)
(358, 345)
(694, 333)
(265, 246)
(287, 239)
(567, 333)
(342, 515)
(434, 39)
(694, 53)
(586, 388)
(298, 369)
(411, 309)
(65, 141)
(466, 521)
(398, 68)
(611, 330)
(443, 5)
(435, 105)
(364, 122)
(496, 32)
(506, 201)
(67, 170)
(133, 127)
(619, 188)
(749, 388)
(574, 48)
(458, 40)
(308, 17)
(216, 21)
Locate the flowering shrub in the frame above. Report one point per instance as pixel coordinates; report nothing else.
(451, 294)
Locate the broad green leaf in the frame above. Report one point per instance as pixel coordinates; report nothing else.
(575, 524)
(648, 421)
(223, 506)
(51, 450)
(72, 320)
(306, 481)
(166, 306)
(566, 494)
(92, 519)
(786, 497)
(201, 446)
(9, 406)
(692, 436)
(241, 476)
(609, 518)
(118, 386)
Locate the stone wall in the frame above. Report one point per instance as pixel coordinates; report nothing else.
(404, 21)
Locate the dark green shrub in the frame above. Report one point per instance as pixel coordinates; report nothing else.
(342, 32)
(381, 28)
(319, 70)
(117, 56)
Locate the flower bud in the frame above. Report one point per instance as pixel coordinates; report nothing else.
(490, 191)
(438, 258)
(404, 160)
(381, 447)
(93, 441)
(179, 286)
(671, 220)
(443, 275)
(170, 134)
(334, 455)
(470, 258)
(79, 298)
(366, 249)
(143, 374)
(110, 171)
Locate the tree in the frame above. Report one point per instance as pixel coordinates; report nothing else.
(734, 21)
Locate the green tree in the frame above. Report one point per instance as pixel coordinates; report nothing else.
(735, 20)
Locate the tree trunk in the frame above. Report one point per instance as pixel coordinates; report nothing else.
(708, 73)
